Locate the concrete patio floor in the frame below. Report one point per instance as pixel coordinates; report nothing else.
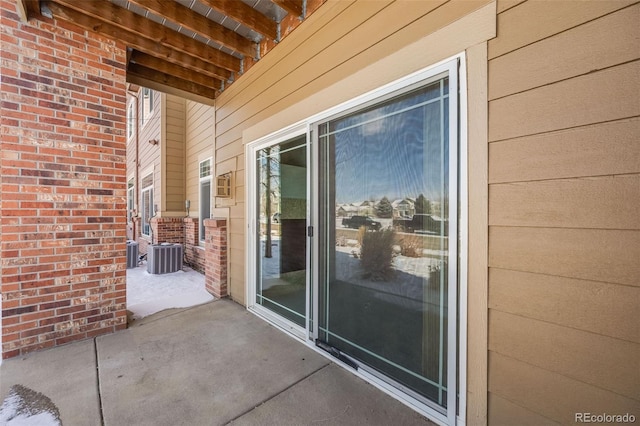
(212, 364)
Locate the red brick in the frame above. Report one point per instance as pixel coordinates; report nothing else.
(53, 73)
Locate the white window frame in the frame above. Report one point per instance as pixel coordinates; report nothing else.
(202, 179)
(131, 194)
(455, 68)
(147, 106)
(130, 121)
(143, 213)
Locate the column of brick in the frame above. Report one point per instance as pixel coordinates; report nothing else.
(216, 256)
(63, 184)
(195, 253)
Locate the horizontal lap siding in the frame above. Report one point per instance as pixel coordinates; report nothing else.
(337, 41)
(548, 394)
(199, 136)
(149, 154)
(175, 155)
(564, 238)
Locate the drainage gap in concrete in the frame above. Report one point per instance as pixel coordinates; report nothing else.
(95, 349)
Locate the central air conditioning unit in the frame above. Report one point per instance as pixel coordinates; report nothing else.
(164, 258)
(132, 254)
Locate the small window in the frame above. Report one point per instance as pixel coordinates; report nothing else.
(130, 121)
(130, 199)
(205, 194)
(205, 168)
(147, 204)
(147, 105)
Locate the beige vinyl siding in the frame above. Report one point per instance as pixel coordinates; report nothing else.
(200, 125)
(548, 394)
(174, 152)
(564, 236)
(302, 77)
(533, 21)
(345, 49)
(150, 156)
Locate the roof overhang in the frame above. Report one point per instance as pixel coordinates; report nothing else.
(192, 48)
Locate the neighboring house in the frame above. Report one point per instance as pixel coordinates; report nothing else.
(346, 210)
(365, 208)
(403, 208)
(519, 120)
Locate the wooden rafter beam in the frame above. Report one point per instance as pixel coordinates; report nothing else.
(27, 9)
(148, 29)
(292, 6)
(168, 68)
(137, 73)
(246, 15)
(179, 14)
(133, 40)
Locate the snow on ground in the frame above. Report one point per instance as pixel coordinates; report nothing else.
(26, 407)
(270, 267)
(150, 293)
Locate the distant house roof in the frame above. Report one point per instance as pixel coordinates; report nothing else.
(402, 202)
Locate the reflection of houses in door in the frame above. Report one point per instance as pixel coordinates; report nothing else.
(403, 208)
(359, 208)
(365, 208)
(346, 210)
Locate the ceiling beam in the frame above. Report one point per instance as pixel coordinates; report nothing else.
(165, 67)
(132, 40)
(146, 28)
(134, 80)
(136, 72)
(246, 15)
(197, 23)
(27, 9)
(292, 6)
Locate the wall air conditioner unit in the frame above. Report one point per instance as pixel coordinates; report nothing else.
(223, 186)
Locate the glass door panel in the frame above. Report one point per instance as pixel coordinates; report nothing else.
(281, 172)
(384, 249)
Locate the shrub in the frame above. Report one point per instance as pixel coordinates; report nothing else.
(376, 255)
(362, 231)
(411, 249)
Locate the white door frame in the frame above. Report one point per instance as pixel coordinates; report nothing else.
(455, 68)
(253, 224)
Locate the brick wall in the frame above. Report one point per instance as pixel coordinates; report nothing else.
(167, 230)
(63, 184)
(195, 254)
(216, 257)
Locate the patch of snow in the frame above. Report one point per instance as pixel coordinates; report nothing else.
(150, 293)
(42, 419)
(269, 266)
(20, 409)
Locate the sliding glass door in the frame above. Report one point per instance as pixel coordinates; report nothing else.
(281, 209)
(353, 241)
(385, 217)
